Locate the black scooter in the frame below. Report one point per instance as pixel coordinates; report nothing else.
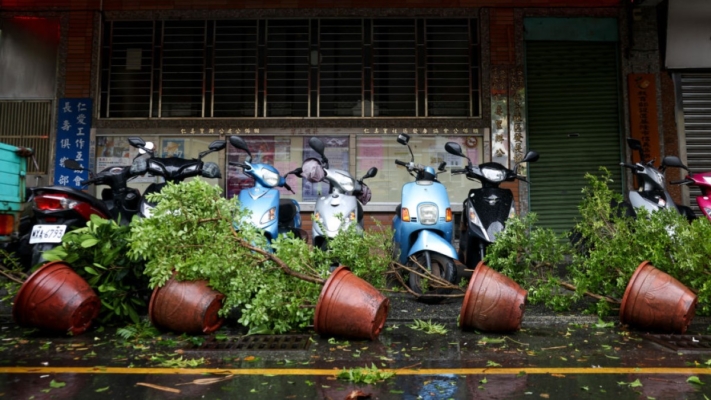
(485, 210)
(175, 169)
(58, 209)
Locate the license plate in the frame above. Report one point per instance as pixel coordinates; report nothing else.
(47, 233)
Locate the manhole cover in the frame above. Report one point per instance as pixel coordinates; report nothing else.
(256, 343)
(682, 342)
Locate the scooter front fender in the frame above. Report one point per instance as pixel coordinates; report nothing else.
(427, 240)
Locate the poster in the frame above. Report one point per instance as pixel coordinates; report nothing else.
(173, 148)
(73, 128)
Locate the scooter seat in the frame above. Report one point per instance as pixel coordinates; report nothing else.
(287, 211)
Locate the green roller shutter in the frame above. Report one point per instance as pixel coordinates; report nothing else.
(574, 123)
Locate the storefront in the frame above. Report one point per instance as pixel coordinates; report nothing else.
(688, 56)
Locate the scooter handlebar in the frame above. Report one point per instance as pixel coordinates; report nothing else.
(455, 171)
(628, 165)
(398, 162)
(681, 182)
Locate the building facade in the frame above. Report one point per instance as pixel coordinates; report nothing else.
(569, 79)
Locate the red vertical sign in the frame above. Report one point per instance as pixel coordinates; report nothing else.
(643, 114)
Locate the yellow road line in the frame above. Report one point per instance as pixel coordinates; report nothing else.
(314, 372)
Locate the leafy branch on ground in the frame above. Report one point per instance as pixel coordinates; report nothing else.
(196, 233)
(428, 327)
(603, 251)
(12, 275)
(365, 375)
(97, 252)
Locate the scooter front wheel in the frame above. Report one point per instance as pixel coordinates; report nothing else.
(440, 266)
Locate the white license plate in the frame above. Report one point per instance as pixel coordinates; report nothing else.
(47, 233)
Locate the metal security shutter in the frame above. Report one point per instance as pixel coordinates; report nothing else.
(574, 123)
(696, 104)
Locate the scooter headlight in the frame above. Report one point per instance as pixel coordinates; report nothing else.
(428, 214)
(707, 210)
(493, 174)
(270, 178)
(268, 216)
(512, 212)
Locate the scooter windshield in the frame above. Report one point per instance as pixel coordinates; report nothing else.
(266, 175)
(340, 179)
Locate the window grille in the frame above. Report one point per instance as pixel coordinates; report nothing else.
(356, 67)
(28, 124)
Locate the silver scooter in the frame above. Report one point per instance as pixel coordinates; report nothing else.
(343, 205)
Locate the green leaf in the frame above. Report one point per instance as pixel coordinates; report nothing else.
(90, 270)
(89, 242)
(103, 389)
(636, 383)
(56, 384)
(695, 380)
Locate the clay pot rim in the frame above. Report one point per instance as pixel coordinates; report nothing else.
(630, 285)
(19, 297)
(468, 293)
(325, 289)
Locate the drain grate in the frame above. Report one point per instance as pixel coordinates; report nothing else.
(256, 343)
(682, 342)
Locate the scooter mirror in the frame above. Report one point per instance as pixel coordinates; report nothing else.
(73, 165)
(531, 156)
(318, 146)
(634, 144)
(403, 139)
(239, 143)
(454, 148)
(136, 142)
(371, 173)
(217, 145)
(667, 161)
(442, 166)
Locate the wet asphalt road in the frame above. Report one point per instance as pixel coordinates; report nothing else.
(552, 357)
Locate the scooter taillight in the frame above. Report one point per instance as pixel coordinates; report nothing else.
(48, 202)
(56, 202)
(85, 210)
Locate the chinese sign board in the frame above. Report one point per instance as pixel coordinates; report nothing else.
(73, 140)
(643, 114)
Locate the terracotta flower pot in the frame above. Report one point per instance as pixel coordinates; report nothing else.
(56, 298)
(493, 302)
(186, 306)
(350, 307)
(656, 301)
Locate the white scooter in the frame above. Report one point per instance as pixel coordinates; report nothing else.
(342, 205)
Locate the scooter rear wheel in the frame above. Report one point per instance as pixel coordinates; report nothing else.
(442, 267)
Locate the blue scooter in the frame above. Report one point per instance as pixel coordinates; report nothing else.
(271, 214)
(424, 226)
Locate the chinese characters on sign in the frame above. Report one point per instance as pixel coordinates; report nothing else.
(643, 113)
(315, 131)
(73, 140)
